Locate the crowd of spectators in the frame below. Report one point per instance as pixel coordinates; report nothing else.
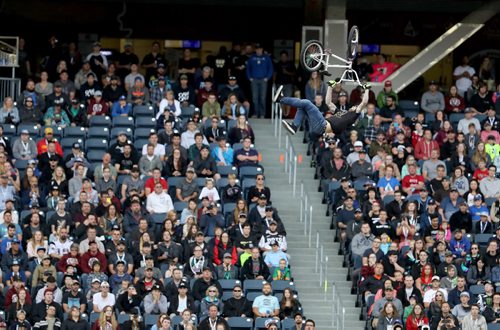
(414, 192)
(129, 200)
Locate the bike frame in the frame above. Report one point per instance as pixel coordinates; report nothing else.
(347, 66)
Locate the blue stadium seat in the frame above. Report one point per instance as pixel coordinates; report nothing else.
(221, 183)
(260, 323)
(490, 201)
(288, 324)
(98, 132)
(95, 156)
(143, 133)
(482, 239)
(67, 143)
(187, 112)
(100, 121)
(100, 144)
(476, 289)
(429, 117)
(74, 131)
(180, 206)
(150, 320)
(226, 295)
(247, 183)
(229, 207)
(121, 121)
(250, 172)
(388, 199)
(21, 164)
(34, 130)
(237, 146)
(116, 130)
(494, 326)
(409, 105)
(253, 286)
(138, 144)
(145, 122)
(456, 117)
(143, 111)
(226, 170)
(122, 318)
(228, 285)
(252, 295)
(280, 286)
(94, 317)
(175, 180)
(230, 124)
(9, 130)
(242, 323)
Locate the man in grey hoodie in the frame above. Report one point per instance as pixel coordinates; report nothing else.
(360, 243)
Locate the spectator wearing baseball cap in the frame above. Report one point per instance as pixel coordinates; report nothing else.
(97, 106)
(432, 100)
(121, 107)
(387, 91)
(21, 151)
(43, 144)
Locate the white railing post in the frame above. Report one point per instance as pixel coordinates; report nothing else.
(286, 152)
(290, 163)
(273, 105)
(343, 317)
(280, 117)
(306, 204)
(333, 305)
(301, 218)
(317, 252)
(310, 223)
(295, 160)
(326, 277)
(321, 269)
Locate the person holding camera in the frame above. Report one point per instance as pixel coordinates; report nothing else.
(447, 321)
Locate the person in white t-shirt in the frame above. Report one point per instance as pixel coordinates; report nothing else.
(102, 299)
(463, 74)
(431, 293)
(159, 201)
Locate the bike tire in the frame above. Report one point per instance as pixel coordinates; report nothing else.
(309, 55)
(352, 43)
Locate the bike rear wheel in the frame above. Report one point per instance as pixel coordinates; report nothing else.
(352, 43)
(311, 56)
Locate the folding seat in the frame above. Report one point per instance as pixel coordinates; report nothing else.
(74, 131)
(98, 132)
(125, 122)
(100, 121)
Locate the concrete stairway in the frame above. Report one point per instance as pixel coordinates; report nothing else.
(311, 295)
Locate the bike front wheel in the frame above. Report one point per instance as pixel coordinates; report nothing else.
(311, 56)
(352, 43)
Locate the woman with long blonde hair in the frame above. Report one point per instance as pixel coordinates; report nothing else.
(107, 320)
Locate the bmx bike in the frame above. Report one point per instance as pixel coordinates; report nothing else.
(314, 57)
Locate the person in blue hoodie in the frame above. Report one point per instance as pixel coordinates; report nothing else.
(259, 71)
(121, 107)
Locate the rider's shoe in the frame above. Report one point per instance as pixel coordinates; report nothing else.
(332, 83)
(279, 94)
(290, 127)
(326, 73)
(366, 86)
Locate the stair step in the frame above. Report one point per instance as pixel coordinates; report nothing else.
(303, 258)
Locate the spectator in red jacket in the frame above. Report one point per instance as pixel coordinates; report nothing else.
(42, 145)
(425, 146)
(88, 258)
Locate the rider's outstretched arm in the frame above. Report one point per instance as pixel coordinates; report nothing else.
(364, 101)
(331, 106)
